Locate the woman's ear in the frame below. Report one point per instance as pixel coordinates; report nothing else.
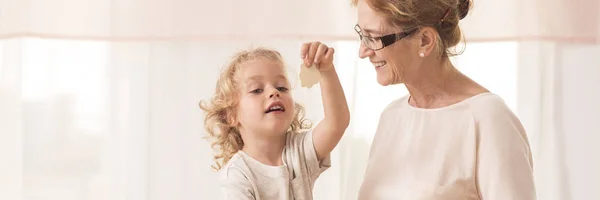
(428, 39)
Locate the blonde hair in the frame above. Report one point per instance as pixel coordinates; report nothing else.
(442, 15)
(220, 111)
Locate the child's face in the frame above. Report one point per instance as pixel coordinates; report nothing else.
(266, 105)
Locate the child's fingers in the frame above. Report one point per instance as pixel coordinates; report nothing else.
(304, 50)
(329, 54)
(311, 53)
(321, 51)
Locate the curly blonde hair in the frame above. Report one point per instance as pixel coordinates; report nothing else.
(220, 111)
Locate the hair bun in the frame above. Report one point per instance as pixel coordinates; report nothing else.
(463, 8)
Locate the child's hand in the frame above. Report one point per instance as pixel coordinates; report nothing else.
(319, 54)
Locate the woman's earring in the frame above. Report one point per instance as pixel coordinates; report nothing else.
(422, 54)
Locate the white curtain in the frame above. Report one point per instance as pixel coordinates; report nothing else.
(108, 120)
(558, 103)
(98, 99)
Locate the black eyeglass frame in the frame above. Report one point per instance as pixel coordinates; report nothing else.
(386, 40)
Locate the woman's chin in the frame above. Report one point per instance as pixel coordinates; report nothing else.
(382, 82)
(384, 79)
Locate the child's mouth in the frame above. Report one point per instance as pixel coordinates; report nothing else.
(275, 107)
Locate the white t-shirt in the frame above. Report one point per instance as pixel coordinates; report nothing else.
(474, 149)
(245, 178)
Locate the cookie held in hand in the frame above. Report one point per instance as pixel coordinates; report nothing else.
(309, 76)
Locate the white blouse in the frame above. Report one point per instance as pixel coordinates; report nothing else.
(474, 149)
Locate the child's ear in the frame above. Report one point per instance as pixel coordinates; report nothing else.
(234, 121)
(229, 117)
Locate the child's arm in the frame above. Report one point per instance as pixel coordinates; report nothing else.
(330, 130)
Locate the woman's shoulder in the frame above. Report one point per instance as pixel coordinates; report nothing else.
(488, 105)
(396, 104)
(490, 110)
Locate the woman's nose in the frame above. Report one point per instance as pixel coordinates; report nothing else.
(364, 52)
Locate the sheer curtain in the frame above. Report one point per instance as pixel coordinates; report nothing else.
(119, 120)
(99, 99)
(559, 97)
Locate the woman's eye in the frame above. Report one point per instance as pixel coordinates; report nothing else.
(283, 89)
(372, 39)
(257, 91)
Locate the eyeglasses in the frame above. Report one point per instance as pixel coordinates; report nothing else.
(377, 43)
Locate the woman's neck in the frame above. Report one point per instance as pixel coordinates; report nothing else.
(267, 150)
(437, 85)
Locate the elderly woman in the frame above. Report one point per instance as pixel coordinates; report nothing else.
(450, 138)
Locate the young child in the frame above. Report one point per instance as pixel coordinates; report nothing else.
(264, 148)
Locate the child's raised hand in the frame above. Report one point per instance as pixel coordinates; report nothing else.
(319, 54)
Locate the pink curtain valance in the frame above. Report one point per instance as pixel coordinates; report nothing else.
(563, 20)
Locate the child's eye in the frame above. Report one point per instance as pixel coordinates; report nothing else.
(257, 91)
(283, 89)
